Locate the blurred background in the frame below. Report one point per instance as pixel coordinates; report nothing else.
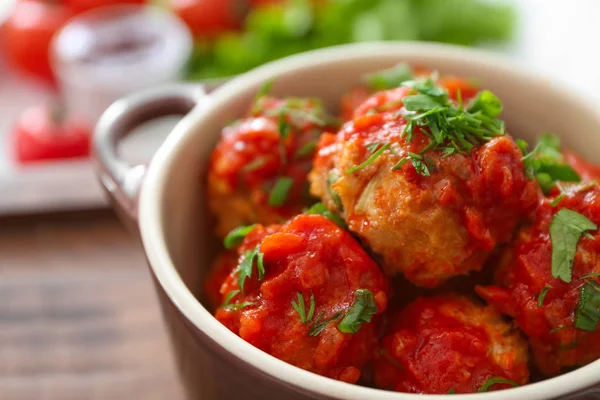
(78, 319)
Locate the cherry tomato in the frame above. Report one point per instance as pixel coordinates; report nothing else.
(28, 32)
(42, 133)
(79, 6)
(209, 18)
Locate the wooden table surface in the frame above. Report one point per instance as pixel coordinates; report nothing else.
(78, 316)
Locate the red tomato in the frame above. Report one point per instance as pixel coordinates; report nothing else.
(41, 134)
(79, 6)
(208, 18)
(28, 32)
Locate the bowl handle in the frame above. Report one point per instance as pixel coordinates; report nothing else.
(121, 180)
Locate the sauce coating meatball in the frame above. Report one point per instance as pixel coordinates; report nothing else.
(431, 213)
(450, 344)
(545, 307)
(313, 297)
(258, 170)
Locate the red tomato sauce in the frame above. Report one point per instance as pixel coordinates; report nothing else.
(313, 256)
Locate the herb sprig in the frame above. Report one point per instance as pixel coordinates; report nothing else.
(542, 295)
(566, 229)
(587, 314)
(389, 78)
(300, 308)
(495, 380)
(236, 236)
(546, 163)
(236, 306)
(245, 269)
(451, 127)
(319, 208)
(361, 311)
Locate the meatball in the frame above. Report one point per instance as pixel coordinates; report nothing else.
(429, 213)
(310, 299)
(225, 263)
(551, 311)
(258, 170)
(450, 344)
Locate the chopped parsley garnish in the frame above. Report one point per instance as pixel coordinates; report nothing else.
(255, 164)
(495, 380)
(451, 391)
(320, 323)
(562, 328)
(487, 103)
(300, 308)
(369, 160)
(320, 209)
(542, 295)
(281, 191)
(361, 311)
(546, 163)
(588, 307)
(566, 229)
(389, 78)
(264, 90)
(283, 126)
(245, 269)
(234, 307)
(306, 150)
(451, 128)
(236, 236)
(333, 177)
(422, 165)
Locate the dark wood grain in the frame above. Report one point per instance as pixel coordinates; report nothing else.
(78, 315)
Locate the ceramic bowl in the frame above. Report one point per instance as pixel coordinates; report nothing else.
(175, 230)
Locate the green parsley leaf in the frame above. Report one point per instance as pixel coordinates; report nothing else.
(557, 200)
(495, 380)
(451, 391)
(244, 271)
(254, 164)
(320, 209)
(451, 128)
(234, 307)
(332, 177)
(595, 275)
(369, 160)
(280, 192)
(546, 163)
(265, 89)
(236, 236)
(487, 103)
(566, 229)
(306, 150)
(542, 295)
(320, 324)
(588, 307)
(284, 127)
(420, 102)
(361, 310)
(522, 145)
(389, 78)
(300, 308)
(562, 328)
